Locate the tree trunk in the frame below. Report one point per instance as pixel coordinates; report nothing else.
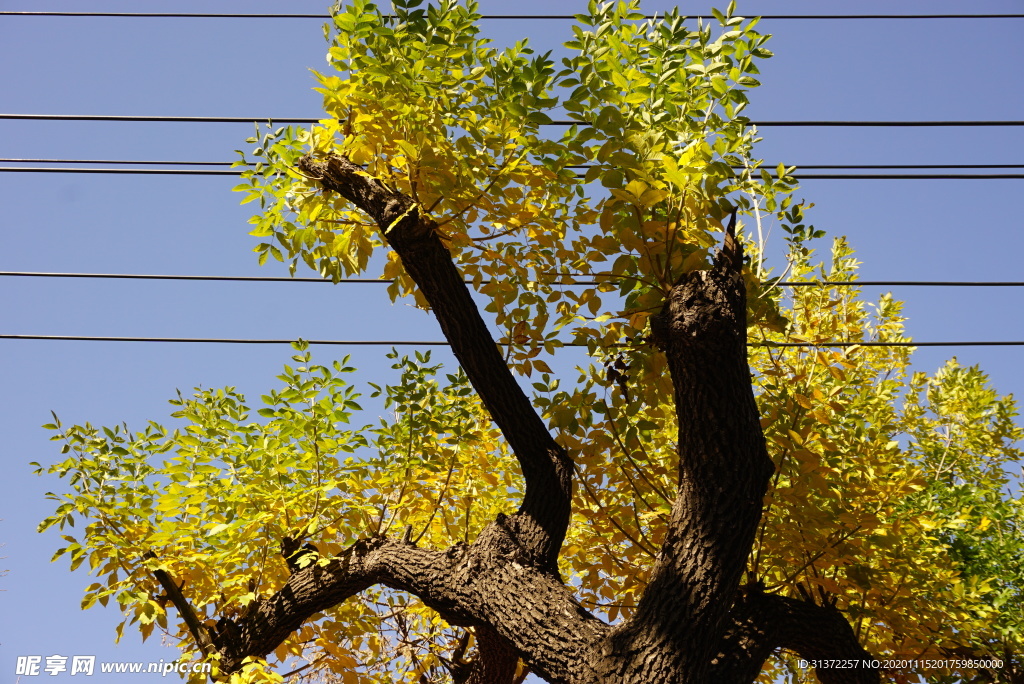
(694, 624)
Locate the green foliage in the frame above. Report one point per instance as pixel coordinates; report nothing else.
(893, 497)
(426, 107)
(964, 438)
(226, 487)
(211, 502)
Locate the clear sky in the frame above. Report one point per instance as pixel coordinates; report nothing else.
(849, 70)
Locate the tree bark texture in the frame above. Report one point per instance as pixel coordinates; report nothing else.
(694, 624)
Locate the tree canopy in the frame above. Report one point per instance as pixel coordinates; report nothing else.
(709, 489)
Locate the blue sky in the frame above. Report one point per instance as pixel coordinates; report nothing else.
(850, 70)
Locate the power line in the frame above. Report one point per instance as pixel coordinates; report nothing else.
(152, 162)
(136, 172)
(257, 119)
(164, 119)
(768, 167)
(385, 281)
(797, 175)
(580, 166)
(442, 343)
(188, 15)
(219, 340)
(902, 283)
(866, 123)
(139, 276)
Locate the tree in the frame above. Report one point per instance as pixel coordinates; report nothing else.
(688, 510)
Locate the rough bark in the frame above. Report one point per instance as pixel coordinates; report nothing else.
(488, 583)
(694, 623)
(760, 624)
(723, 475)
(496, 660)
(543, 517)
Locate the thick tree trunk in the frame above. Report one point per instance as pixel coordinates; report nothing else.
(724, 470)
(694, 623)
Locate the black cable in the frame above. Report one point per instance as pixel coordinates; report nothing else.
(139, 276)
(137, 172)
(146, 161)
(769, 167)
(797, 175)
(165, 119)
(970, 343)
(870, 123)
(185, 15)
(902, 283)
(576, 166)
(217, 340)
(249, 120)
(439, 343)
(382, 281)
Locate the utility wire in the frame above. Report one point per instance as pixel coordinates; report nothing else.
(862, 123)
(580, 166)
(901, 283)
(165, 119)
(188, 15)
(797, 175)
(384, 281)
(139, 276)
(142, 161)
(442, 343)
(251, 119)
(769, 167)
(137, 172)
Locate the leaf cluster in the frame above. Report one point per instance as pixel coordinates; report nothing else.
(893, 498)
(212, 503)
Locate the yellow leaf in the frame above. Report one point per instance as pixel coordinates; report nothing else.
(696, 260)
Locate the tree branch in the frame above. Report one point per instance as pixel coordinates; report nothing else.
(188, 614)
(761, 623)
(543, 517)
(495, 662)
(723, 475)
(505, 585)
(523, 611)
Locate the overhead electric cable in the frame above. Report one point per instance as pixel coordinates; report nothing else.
(902, 283)
(164, 119)
(141, 276)
(387, 281)
(579, 166)
(797, 175)
(257, 119)
(192, 15)
(896, 124)
(443, 343)
(134, 161)
(136, 172)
